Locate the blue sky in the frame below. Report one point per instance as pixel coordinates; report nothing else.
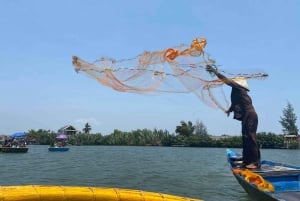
(41, 90)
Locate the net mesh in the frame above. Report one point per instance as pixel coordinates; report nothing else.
(179, 69)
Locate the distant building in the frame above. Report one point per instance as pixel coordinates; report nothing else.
(214, 137)
(290, 140)
(68, 130)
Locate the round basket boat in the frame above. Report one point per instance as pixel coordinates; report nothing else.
(77, 193)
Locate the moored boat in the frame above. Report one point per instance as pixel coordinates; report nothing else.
(16, 143)
(59, 144)
(271, 182)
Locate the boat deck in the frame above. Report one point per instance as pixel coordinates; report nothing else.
(290, 196)
(270, 168)
(267, 167)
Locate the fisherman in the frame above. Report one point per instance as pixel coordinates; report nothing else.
(243, 110)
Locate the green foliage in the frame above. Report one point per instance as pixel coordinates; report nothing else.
(198, 141)
(189, 135)
(43, 137)
(229, 142)
(270, 140)
(294, 145)
(185, 129)
(288, 120)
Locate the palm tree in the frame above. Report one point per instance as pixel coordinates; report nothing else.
(87, 128)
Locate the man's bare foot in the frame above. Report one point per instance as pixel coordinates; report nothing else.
(252, 166)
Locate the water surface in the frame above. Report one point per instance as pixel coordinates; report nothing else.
(193, 172)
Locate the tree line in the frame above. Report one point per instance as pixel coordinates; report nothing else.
(146, 137)
(186, 134)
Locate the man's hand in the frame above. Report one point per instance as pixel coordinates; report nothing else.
(227, 112)
(210, 69)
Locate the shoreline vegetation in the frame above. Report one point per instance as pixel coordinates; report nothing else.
(186, 134)
(146, 137)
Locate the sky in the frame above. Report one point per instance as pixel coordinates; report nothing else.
(40, 89)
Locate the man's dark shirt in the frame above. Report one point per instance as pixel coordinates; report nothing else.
(241, 103)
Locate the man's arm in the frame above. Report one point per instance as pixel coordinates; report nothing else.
(222, 77)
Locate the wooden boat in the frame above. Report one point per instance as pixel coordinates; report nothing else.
(78, 193)
(271, 182)
(14, 149)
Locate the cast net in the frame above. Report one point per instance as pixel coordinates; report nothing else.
(179, 69)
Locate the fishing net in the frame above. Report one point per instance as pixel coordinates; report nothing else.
(179, 69)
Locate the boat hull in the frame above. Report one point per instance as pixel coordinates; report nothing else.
(254, 193)
(272, 182)
(14, 149)
(58, 149)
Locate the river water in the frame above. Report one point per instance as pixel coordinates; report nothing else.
(191, 172)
